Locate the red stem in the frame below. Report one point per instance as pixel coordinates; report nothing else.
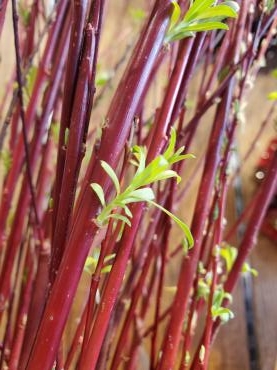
(120, 116)
(189, 265)
(218, 233)
(109, 298)
(95, 279)
(264, 197)
(39, 294)
(79, 11)
(22, 111)
(24, 198)
(74, 152)
(20, 328)
(164, 246)
(18, 154)
(265, 194)
(121, 344)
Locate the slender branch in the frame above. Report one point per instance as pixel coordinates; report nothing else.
(22, 111)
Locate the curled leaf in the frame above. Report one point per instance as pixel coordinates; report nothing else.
(225, 314)
(108, 169)
(180, 223)
(175, 14)
(120, 217)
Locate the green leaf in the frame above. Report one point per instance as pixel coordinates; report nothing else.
(203, 15)
(185, 246)
(186, 30)
(24, 13)
(274, 73)
(108, 169)
(91, 261)
(246, 268)
(219, 296)
(106, 269)
(228, 296)
(179, 35)
(232, 4)
(171, 145)
(223, 73)
(119, 236)
(167, 174)
(66, 136)
(219, 11)
(224, 313)
(175, 14)
(119, 201)
(207, 26)
(99, 192)
(138, 190)
(120, 217)
(179, 158)
(272, 95)
(141, 195)
(55, 130)
(90, 264)
(203, 289)
(200, 268)
(30, 79)
(6, 158)
(51, 203)
(140, 154)
(229, 254)
(180, 223)
(102, 78)
(149, 174)
(196, 8)
(10, 218)
(177, 153)
(127, 211)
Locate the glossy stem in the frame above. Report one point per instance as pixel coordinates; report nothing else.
(120, 116)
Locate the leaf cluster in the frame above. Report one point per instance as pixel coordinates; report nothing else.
(139, 189)
(203, 15)
(217, 310)
(229, 254)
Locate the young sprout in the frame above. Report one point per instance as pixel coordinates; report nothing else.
(203, 15)
(217, 310)
(139, 189)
